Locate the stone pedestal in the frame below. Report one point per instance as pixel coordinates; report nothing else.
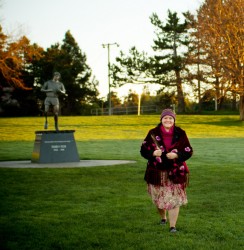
(55, 147)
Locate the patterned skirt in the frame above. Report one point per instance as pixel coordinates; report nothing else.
(167, 195)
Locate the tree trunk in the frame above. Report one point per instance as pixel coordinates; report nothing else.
(217, 93)
(180, 95)
(215, 103)
(221, 101)
(233, 103)
(242, 108)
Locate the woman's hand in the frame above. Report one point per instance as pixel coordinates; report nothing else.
(171, 156)
(157, 153)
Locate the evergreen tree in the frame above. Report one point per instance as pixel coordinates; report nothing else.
(166, 67)
(131, 68)
(81, 87)
(170, 45)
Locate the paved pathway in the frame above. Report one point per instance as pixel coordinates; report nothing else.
(82, 163)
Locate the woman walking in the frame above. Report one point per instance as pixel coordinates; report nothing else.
(166, 148)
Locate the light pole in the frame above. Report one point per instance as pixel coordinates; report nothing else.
(139, 92)
(107, 45)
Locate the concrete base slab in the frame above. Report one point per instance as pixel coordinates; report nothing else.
(82, 163)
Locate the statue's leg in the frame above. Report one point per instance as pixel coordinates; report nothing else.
(56, 121)
(45, 113)
(55, 110)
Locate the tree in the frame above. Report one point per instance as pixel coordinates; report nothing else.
(195, 59)
(13, 60)
(132, 68)
(25, 66)
(220, 24)
(171, 47)
(165, 99)
(16, 77)
(131, 99)
(166, 66)
(81, 87)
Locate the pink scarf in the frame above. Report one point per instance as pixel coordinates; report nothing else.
(167, 136)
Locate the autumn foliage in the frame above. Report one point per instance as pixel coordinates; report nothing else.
(14, 58)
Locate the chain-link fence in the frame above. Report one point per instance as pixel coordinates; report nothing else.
(151, 109)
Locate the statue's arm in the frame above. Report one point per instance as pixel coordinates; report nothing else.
(62, 89)
(45, 88)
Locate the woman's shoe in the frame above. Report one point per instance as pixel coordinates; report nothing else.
(163, 222)
(172, 230)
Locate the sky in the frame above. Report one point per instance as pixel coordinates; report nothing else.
(91, 23)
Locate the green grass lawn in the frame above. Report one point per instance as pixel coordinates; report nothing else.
(108, 207)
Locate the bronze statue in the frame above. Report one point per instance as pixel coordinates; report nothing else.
(52, 88)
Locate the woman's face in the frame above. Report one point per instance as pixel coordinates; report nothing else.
(168, 121)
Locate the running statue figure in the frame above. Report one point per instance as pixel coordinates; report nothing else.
(52, 88)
